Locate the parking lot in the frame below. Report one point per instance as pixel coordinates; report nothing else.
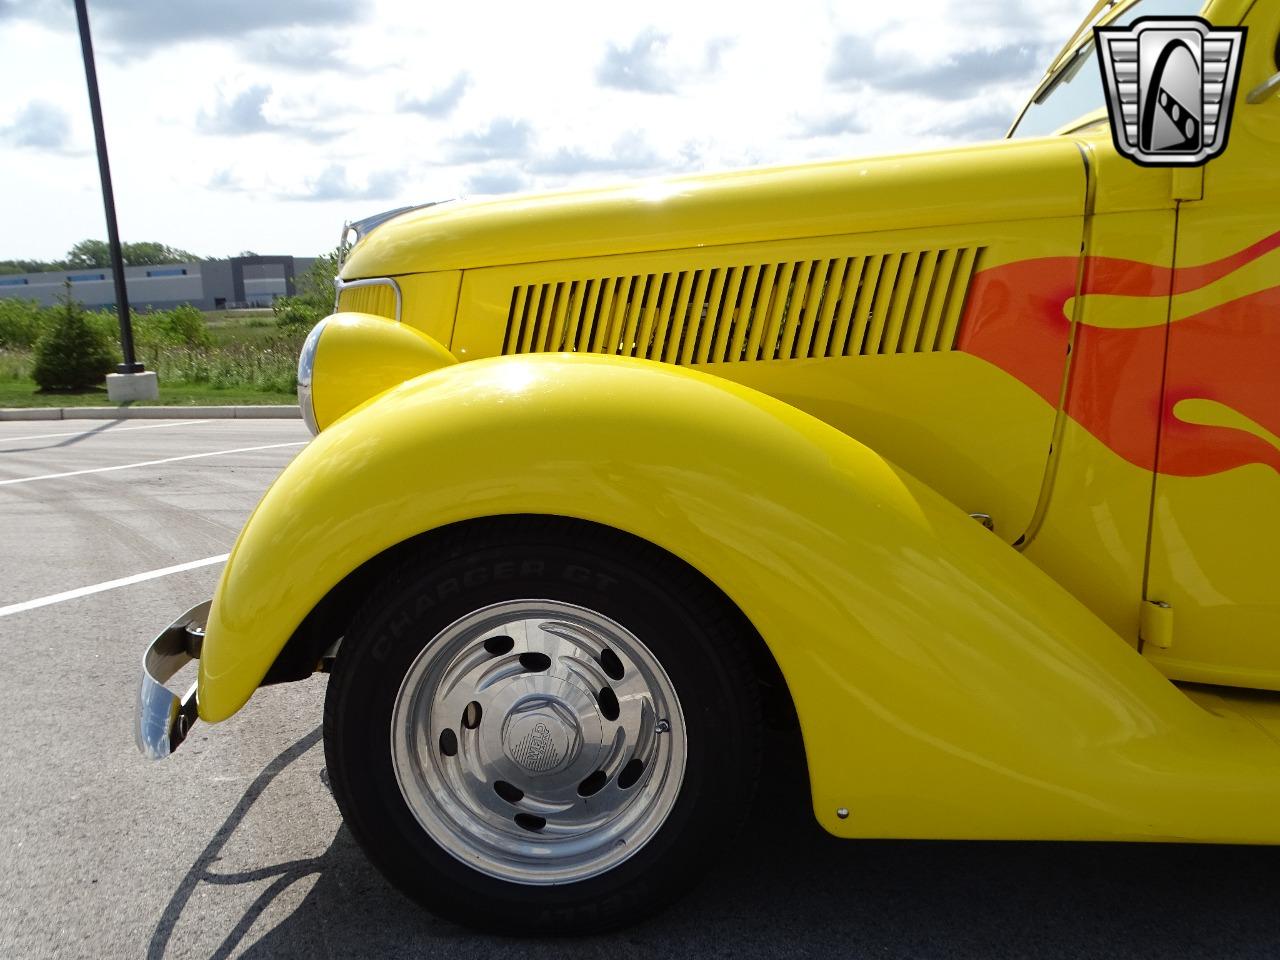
(234, 847)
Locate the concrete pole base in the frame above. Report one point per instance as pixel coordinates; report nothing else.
(127, 387)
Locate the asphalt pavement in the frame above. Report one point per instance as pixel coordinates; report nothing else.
(234, 847)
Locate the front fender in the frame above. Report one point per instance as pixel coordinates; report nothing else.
(944, 685)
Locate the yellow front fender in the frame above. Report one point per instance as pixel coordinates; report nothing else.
(945, 686)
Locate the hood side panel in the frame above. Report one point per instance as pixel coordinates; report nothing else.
(1008, 180)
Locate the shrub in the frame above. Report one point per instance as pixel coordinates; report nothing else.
(183, 326)
(73, 353)
(21, 322)
(106, 322)
(294, 313)
(315, 296)
(187, 322)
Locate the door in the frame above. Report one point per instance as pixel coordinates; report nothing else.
(1215, 543)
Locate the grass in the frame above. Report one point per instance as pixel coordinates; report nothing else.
(19, 393)
(233, 317)
(249, 360)
(267, 364)
(241, 326)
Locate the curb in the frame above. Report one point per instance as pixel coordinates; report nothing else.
(283, 411)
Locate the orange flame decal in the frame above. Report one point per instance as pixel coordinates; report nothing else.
(1224, 357)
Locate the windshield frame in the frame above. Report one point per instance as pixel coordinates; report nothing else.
(1082, 39)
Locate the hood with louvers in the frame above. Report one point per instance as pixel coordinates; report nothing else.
(899, 302)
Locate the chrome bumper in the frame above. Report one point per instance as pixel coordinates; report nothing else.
(163, 717)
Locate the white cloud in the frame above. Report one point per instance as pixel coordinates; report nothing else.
(982, 123)
(496, 181)
(959, 75)
(251, 110)
(638, 65)
(39, 125)
(238, 113)
(503, 139)
(651, 63)
(334, 182)
(439, 103)
(222, 116)
(302, 49)
(833, 124)
(146, 26)
(631, 153)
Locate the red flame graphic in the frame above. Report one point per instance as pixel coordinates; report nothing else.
(1229, 353)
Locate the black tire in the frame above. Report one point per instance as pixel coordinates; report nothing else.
(697, 636)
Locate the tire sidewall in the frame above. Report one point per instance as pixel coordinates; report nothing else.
(398, 624)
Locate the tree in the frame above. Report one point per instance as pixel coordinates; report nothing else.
(314, 296)
(96, 253)
(147, 253)
(30, 266)
(73, 354)
(89, 253)
(316, 285)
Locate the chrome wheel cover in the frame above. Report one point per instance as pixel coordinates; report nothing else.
(538, 742)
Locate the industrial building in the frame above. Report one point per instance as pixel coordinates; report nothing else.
(232, 283)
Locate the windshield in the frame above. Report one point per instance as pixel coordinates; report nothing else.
(1076, 89)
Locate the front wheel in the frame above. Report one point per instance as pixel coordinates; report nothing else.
(547, 727)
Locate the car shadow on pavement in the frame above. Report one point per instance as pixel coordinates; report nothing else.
(285, 873)
(791, 890)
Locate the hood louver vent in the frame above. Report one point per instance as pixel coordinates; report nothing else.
(839, 307)
(376, 298)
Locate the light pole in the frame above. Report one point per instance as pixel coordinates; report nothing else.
(131, 364)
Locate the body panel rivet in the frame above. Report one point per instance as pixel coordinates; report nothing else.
(843, 813)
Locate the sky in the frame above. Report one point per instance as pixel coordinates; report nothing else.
(263, 125)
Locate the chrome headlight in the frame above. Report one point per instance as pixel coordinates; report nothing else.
(306, 369)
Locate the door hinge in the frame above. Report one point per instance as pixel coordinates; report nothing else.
(1188, 183)
(1155, 624)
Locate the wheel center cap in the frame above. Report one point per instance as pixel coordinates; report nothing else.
(539, 741)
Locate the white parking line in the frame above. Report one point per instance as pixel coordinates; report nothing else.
(152, 463)
(101, 432)
(110, 585)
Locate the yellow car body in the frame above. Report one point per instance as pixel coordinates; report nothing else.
(806, 382)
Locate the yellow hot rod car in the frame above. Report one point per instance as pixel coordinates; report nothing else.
(972, 455)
